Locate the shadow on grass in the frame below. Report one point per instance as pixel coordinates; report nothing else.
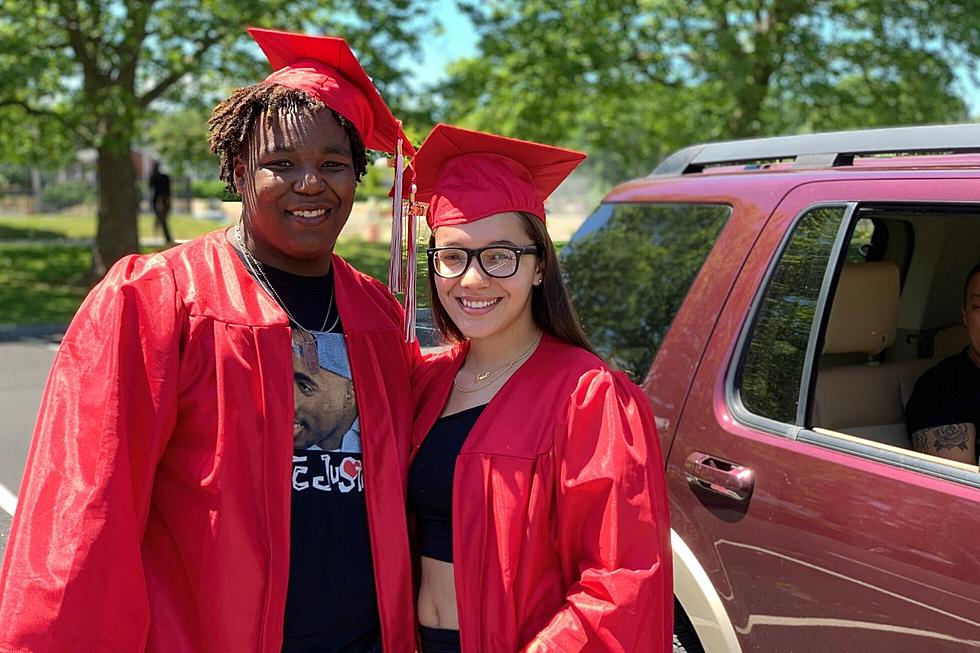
(8, 232)
(42, 285)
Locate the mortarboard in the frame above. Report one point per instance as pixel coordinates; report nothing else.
(326, 68)
(467, 175)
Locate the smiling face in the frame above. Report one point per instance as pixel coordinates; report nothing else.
(971, 316)
(482, 306)
(297, 182)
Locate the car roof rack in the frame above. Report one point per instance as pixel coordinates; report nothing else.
(827, 150)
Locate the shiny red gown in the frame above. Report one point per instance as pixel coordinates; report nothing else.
(561, 539)
(154, 513)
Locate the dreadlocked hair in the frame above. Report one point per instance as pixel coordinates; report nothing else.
(233, 119)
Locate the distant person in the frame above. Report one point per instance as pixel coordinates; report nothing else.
(537, 484)
(943, 414)
(160, 197)
(219, 461)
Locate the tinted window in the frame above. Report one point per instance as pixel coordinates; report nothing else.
(859, 250)
(772, 368)
(628, 269)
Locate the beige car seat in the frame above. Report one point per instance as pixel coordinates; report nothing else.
(867, 399)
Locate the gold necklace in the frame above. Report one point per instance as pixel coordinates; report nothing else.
(307, 346)
(502, 370)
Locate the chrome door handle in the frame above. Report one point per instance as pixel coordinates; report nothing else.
(720, 476)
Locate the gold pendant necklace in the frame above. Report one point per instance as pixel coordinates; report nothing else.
(483, 376)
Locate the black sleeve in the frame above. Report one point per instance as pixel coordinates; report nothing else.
(939, 398)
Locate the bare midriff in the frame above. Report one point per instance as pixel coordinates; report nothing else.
(437, 595)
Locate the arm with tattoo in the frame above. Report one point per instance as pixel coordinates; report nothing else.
(950, 441)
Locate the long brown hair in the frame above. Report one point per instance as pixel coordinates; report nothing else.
(551, 307)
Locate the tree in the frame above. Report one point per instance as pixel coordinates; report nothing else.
(86, 72)
(630, 80)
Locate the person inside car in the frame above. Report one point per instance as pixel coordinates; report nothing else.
(943, 413)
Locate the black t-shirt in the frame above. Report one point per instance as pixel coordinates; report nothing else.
(948, 393)
(430, 482)
(331, 603)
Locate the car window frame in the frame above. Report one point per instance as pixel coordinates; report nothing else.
(855, 446)
(732, 388)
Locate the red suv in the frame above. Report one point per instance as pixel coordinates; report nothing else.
(778, 298)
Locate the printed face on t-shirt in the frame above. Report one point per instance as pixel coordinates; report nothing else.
(325, 408)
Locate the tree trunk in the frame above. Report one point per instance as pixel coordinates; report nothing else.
(117, 233)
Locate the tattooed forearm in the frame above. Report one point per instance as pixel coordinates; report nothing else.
(952, 436)
(920, 441)
(951, 441)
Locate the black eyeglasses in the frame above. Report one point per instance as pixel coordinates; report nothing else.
(498, 261)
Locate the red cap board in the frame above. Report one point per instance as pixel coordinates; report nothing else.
(467, 175)
(326, 68)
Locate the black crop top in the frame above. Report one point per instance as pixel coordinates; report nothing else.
(430, 481)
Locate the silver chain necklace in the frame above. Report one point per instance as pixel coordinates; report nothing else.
(308, 348)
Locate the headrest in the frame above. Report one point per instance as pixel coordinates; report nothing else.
(949, 341)
(864, 317)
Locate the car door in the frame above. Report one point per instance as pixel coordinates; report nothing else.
(814, 540)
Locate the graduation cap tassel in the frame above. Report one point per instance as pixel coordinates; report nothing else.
(411, 268)
(395, 280)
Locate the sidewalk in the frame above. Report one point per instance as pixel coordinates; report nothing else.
(4, 531)
(49, 332)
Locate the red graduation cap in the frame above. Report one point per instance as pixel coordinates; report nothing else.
(326, 68)
(467, 175)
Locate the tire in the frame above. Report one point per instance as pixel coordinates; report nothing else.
(685, 639)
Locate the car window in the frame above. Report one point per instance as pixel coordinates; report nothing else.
(860, 249)
(883, 327)
(772, 369)
(878, 329)
(628, 269)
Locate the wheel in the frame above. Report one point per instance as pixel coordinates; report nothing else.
(685, 639)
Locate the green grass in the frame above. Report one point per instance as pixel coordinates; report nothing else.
(44, 283)
(56, 227)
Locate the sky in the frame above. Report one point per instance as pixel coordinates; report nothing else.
(459, 38)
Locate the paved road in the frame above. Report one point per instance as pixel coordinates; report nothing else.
(25, 365)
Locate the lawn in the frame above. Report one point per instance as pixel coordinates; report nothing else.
(44, 282)
(41, 284)
(59, 227)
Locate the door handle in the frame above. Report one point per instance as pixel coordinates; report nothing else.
(719, 476)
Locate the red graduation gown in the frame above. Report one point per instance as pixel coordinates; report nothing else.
(154, 513)
(560, 529)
